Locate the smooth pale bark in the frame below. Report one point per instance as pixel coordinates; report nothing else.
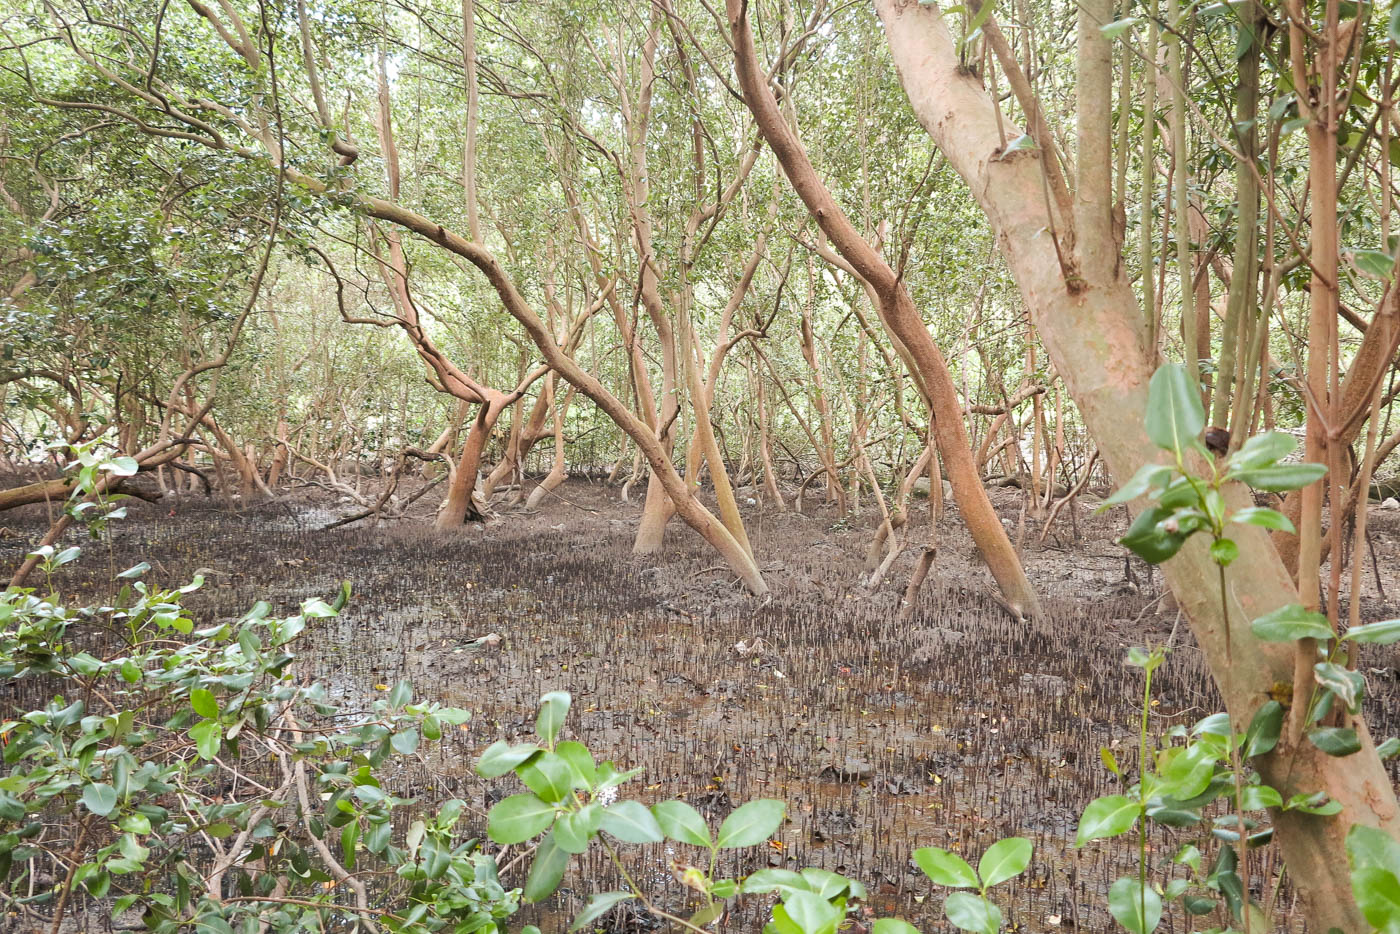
(899, 315)
(1095, 337)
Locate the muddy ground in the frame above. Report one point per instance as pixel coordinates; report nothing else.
(954, 729)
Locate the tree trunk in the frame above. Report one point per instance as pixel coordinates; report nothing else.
(900, 317)
(1094, 334)
(460, 504)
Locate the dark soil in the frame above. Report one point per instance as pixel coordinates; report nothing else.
(955, 729)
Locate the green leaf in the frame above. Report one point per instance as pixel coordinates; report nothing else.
(547, 870)
(1382, 633)
(1108, 816)
(1262, 450)
(554, 707)
(501, 757)
(1370, 847)
(1152, 540)
(1115, 29)
(100, 799)
(404, 741)
(1389, 748)
(1282, 478)
(135, 571)
(893, 926)
(681, 822)
(548, 776)
(768, 880)
(518, 818)
(1348, 685)
(1375, 264)
(131, 672)
(1377, 894)
(597, 906)
(574, 830)
(1149, 476)
(1109, 760)
(1335, 740)
(204, 704)
(631, 822)
(945, 868)
(1290, 623)
(122, 466)
(580, 762)
(401, 694)
(973, 913)
(1264, 730)
(1175, 416)
(1392, 29)
(751, 824)
(1264, 518)
(810, 912)
(1259, 797)
(1137, 908)
(1223, 552)
(207, 735)
(1004, 859)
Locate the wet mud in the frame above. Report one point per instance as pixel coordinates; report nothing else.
(955, 728)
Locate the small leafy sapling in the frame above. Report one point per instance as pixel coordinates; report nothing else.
(571, 800)
(1175, 782)
(1003, 860)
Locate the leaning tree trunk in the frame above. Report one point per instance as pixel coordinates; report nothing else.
(1094, 333)
(898, 314)
(460, 504)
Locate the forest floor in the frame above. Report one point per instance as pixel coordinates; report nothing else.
(953, 729)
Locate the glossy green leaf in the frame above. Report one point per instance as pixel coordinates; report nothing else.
(1281, 478)
(207, 736)
(945, 868)
(973, 913)
(751, 824)
(1004, 859)
(518, 818)
(1108, 816)
(1137, 908)
(631, 822)
(772, 880)
(547, 871)
(893, 926)
(1264, 730)
(1348, 685)
(580, 762)
(1262, 450)
(1263, 517)
(1175, 416)
(547, 775)
(554, 707)
(1148, 477)
(1116, 28)
(1289, 623)
(1335, 740)
(574, 830)
(811, 913)
(597, 906)
(100, 799)
(1375, 264)
(501, 757)
(1382, 633)
(1151, 538)
(1377, 894)
(681, 822)
(1259, 797)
